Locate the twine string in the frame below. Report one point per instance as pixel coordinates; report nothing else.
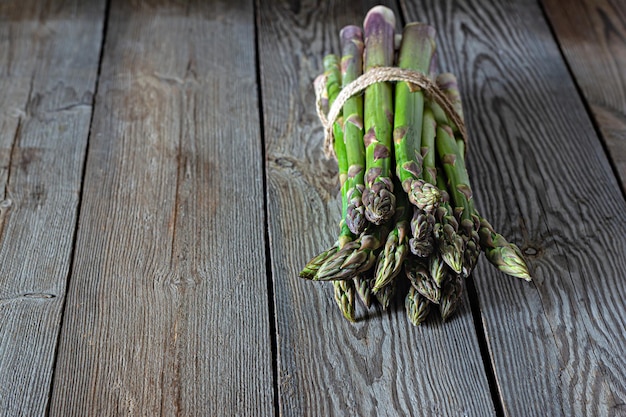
(373, 76)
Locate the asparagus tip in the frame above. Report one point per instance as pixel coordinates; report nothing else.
(344, 296)
(417, 307)
(378, 12)
(351, 32)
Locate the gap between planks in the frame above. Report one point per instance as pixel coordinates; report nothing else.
(271, 300)
(70, 271)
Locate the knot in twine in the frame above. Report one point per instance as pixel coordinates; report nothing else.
(417, 81)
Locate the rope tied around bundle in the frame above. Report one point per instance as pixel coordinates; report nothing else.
(416, 80)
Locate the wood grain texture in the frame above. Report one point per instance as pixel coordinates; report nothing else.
(49, 56)
(592, 35)
(542, 177)
(167, 310)
(382, 365)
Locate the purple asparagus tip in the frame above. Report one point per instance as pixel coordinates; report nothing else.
(351, 32)
(379, 15)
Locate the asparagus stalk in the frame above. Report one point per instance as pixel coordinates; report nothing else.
(391, 258)
(450, 296)
(385, 294)
(499, 252)
(416, 52)
(429, 129)
(351, 68)
(333, 86)
(344, 291)
(344, 297)
(472, 244)
(333, 83)
(454, 167)
(354, 257)
(448, 84)
(505, 256)
(437, 268)
(445, 267)
(310, 269)
(378, 196)
(363, 283)
(420, 278)
(469, 227)
(452, 242)
(417, 307)
(422, 243)
(445, 231)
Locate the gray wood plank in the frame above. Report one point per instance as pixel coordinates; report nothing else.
(542, 176)
(592, 35)
(167, 310)
(382, 365)
(49, 56)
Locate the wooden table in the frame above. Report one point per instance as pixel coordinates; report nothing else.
(162, 183)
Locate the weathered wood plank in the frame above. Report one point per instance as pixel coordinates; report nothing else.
(381, 366)
(167, 310)
(592, 35)
(543, 178)
(49, 56)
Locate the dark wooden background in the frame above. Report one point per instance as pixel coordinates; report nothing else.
(162, 183)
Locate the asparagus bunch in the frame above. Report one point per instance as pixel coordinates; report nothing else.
(407, 204)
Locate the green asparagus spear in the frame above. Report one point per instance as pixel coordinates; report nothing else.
(310, 269)
(450, 296)
(454, 167)
(355, 257)
(507, 257)
(344, 296)
(332, 73)
(344, 290)
(391, 258)
(422, 243)
(364, 283)
(333, 86)
(438, 269)
(429, 130)
(417, 307)
(378, 196)
(468, 226)
(385, 294)
(419, 275)
(416, 52)
(504, 255)
(351, 68)
(449, 242)
(448, 84)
